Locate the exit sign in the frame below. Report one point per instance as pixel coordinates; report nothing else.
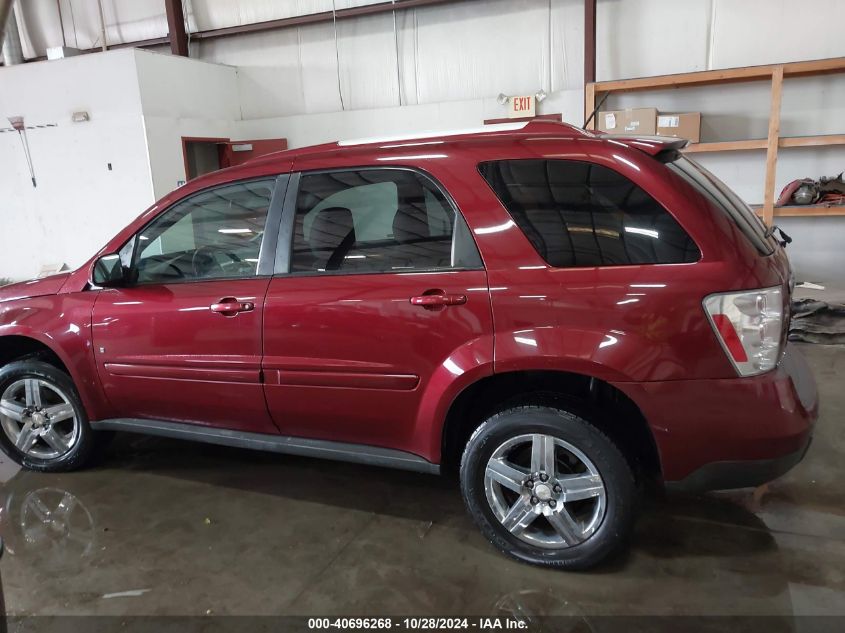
(521, 107)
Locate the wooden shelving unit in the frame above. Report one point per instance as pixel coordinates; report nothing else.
(810, 210)
(773, 73)
(763, 143)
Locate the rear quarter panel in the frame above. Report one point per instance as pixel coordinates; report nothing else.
(616, 323)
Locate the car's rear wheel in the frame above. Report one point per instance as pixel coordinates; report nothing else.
(43, 425)
(547, 487)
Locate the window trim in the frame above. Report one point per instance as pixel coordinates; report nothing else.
(286, 236)
(265, 252)
(598, 164)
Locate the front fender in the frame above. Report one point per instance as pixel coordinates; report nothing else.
(62, 323)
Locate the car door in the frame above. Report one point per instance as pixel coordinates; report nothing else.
(384, 291)
(182, 341)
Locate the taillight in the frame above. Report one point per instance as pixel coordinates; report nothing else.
(748, 325)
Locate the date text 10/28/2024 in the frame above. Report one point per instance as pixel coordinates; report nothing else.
(419, 624)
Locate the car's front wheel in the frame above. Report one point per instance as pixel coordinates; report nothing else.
(43, 425)
(548, 487)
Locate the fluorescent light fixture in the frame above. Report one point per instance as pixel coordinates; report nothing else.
(622, 159)
(452, 367)
(495, 229)
(413, 144)
(417, 156)
(234, 231)
(639, 231)
(608, 341)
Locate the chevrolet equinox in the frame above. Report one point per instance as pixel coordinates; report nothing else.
(557, 316)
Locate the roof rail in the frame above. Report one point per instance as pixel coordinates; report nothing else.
(496, 127)
(536, 126)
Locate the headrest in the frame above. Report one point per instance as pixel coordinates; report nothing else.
(410, 224)
(330, 227)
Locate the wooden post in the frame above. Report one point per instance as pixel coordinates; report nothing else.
(589, 60)
(176, 27)
(590, 104)
(589, 41)
(772, 149)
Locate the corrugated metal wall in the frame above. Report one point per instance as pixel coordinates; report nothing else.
(465, 50)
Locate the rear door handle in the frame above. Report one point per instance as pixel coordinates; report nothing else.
(229, 306)
(436, 300)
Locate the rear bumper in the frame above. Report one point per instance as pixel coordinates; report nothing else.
(730, 433)
(738, 474)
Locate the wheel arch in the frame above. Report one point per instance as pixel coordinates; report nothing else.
(17, 346)
(20, 343)
(602, 403)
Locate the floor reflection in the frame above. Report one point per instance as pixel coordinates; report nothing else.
(223, 527)
(164, 527)
(49, 526)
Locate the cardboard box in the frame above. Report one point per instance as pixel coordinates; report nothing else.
(641, 121)
(680, 125)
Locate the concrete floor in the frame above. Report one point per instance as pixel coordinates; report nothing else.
(180, 528)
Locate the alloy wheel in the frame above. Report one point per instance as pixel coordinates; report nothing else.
(38, 418)
(545, 491)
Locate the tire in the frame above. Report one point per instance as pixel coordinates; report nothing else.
(78, 440)
(595, 512)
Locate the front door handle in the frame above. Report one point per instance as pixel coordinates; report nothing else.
(439, 299)
(229, 306)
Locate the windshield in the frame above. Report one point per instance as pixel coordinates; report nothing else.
(726, 200)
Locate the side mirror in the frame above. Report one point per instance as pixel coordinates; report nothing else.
(108, 272)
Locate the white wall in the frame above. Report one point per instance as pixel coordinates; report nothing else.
(458, 52)
(311, 129)
(452, 61)
(182, 97)
(78, 203)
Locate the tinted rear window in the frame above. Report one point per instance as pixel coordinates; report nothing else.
(578, 214)
(724, 199)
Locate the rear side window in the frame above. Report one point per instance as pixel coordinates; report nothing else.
(726, 200)
(578, 214)
(377, 220)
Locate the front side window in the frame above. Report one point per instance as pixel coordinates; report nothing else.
(377, 220)
(578, 214)
(212, 235)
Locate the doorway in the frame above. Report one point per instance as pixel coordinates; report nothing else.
(204, 155)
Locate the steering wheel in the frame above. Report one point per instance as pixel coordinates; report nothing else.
(144, 264)
(176, 269)
(203, 262)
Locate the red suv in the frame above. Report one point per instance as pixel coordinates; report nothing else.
(555, 314)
